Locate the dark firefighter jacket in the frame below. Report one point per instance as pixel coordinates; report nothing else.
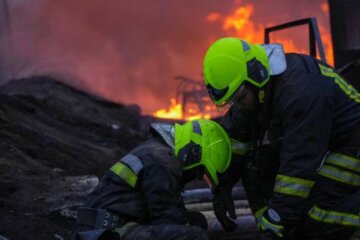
(309, 111)
(151, 192)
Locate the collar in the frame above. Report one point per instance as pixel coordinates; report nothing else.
(277, 60)
(166, 131)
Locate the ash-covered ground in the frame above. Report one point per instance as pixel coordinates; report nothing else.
(50, 134)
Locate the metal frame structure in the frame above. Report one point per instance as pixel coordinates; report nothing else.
(315, 42)
(191, 91)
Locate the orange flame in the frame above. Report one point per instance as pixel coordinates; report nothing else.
(174, 111)
(239, 24)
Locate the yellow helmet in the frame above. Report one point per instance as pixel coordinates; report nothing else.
(203, 143)
(230, 62)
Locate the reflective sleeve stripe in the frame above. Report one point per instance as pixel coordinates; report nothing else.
(293, 186)
(125, 173)
(344, 161)
(348, 89)
(239, 148)
(327, 216)
(260, 212)
(264, 224)
(340, 175)
(133, 162)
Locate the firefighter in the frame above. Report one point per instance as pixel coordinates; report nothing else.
(298, 121)
(139, 197)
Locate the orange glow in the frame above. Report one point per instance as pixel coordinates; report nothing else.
(239, 24)
(325, 7)
(213, 17)
(174, 111)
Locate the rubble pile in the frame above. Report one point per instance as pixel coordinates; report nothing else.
(51, 136)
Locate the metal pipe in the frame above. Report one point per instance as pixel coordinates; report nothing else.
(205, 195)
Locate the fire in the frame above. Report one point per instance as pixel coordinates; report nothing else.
(175, 112)
(239, 24)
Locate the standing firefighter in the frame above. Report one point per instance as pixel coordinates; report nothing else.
(139, 197)
(301, 120)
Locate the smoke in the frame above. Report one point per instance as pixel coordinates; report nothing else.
(126, 51)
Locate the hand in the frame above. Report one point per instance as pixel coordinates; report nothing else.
(269, 223)
(223, 203)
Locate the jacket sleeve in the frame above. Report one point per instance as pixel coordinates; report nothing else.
(306, 124)
(162, 195)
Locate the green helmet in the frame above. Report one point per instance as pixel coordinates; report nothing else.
(230, 62)
(203, 143)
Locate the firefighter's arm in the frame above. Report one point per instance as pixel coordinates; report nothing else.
(163, 196)
(238, 123)
(306, 124)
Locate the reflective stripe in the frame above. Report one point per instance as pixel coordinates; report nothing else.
(347, 88)
(327, 216)
(344, 161)
(260, 212)
(326, 71)
(340, 175)
(264, 224)
(125, 173)
(293, 186)
(133, 162)
(239, 148)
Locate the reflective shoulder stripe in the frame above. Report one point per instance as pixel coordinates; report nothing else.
(326, 71)
(343, 161)
(293, 186)
(340, 175)
(347, 88)
(239, 148)
(125, 173)
(327, 216)
(133, 162)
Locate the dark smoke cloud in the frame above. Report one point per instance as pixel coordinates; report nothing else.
(125, 50)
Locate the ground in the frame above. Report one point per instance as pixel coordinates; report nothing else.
(50, 133)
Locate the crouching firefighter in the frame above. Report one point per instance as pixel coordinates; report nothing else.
(302, 119)
(140, 196)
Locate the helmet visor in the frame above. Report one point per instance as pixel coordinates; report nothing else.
(217, 94)
(190, 155)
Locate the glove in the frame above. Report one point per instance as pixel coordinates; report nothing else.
(223, 203)
(269, 223)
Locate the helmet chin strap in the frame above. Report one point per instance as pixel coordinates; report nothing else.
(206, 179)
